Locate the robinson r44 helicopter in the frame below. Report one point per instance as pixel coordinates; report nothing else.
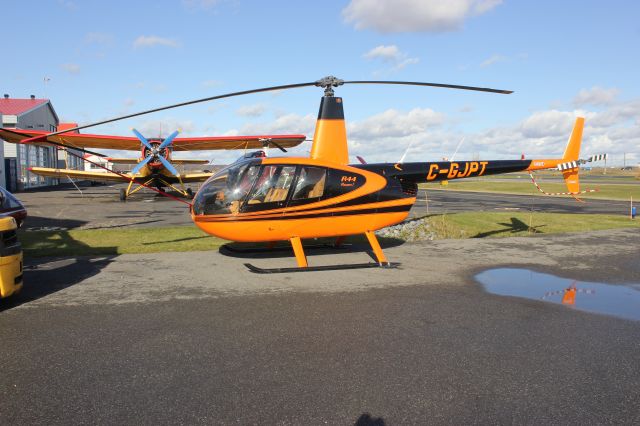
(275, 199)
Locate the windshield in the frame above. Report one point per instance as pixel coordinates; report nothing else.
(8, 201)
(223, 192)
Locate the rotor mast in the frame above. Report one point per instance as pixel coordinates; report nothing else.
(330, 137)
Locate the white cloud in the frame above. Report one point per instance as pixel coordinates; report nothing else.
(255, 110)
(71, 68)
(385, 53)
(285, 124)
(164, 127)
(150, 41)
(542, 134)
(394, 123)
(595, 96)
(545, 133)
(547, 123)
(391, 55)
(492, 60)
(385, 136)
(409, 61)
(389, 16)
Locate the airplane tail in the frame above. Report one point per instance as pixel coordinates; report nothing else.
(570, 165)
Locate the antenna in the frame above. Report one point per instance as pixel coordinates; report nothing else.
(457, 148)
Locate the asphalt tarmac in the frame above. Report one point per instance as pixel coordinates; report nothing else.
(99, 207)
(195, 338)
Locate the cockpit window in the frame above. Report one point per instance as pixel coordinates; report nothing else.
(310, 183)
(272, 186)
(223, 192)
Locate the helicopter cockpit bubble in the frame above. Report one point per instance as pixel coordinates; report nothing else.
(223, 192)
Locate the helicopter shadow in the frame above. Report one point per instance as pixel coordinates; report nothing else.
(515, 226)
(38, 223)
(367, 420)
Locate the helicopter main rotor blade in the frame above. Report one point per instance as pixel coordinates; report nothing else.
(211, 98)
(418, 83)
(327, 83)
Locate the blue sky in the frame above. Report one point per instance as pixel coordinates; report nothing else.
(562, 59)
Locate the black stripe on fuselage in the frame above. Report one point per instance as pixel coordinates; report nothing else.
(393, 209)
(444, 170)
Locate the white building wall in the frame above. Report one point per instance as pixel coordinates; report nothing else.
(10, 149)
(3, 181)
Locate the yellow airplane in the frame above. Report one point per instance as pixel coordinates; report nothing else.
(155, 167)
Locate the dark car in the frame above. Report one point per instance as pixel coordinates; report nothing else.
(11, 206)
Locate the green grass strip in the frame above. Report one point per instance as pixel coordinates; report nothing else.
(116, 241)
(605, 191)
(521, 224)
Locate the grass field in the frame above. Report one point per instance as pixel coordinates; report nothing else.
(116, 241)
(509, 224)
(525, 187)
(190, 238)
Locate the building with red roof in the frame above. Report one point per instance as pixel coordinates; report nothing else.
(31, 113)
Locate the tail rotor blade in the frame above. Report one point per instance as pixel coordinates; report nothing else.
(144, 140)
(169, 140)
(141, 164)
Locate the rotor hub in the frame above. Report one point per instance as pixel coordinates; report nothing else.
(328, 83)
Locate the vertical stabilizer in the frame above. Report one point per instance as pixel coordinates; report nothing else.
(330, 138)
(572, 153)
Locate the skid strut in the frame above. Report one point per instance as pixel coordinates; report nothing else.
(303, 266)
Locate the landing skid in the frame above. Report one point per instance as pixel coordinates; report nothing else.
(250, 250)
(258, 270)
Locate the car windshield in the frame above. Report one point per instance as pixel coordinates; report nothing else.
(8, 201)
(223, 192)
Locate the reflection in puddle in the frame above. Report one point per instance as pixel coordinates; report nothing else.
(618, 300)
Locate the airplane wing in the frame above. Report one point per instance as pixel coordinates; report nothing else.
(77, 174)
(173, 161)
(106, 176)
(82, 140)
(122, 160)
(195, 177)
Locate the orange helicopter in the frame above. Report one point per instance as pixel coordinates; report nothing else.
(276, 199)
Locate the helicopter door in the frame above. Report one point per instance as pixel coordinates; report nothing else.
(309, 186)
(271, 188)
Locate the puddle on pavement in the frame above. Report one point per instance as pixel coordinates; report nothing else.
(610, 299)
